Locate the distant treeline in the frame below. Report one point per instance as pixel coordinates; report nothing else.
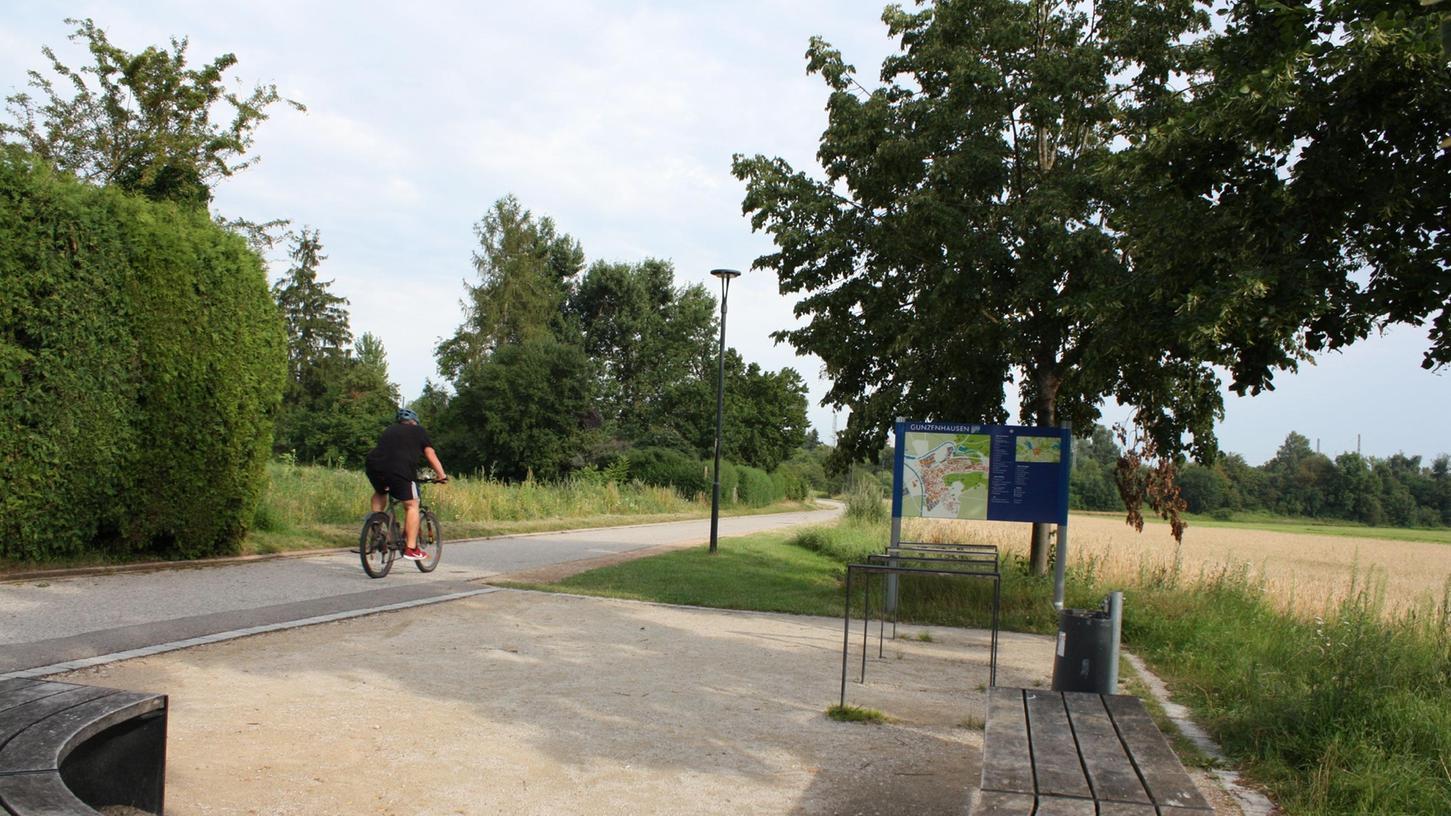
(1394, 491)
(560, 369)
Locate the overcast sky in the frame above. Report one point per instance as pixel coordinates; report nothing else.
(616, 119)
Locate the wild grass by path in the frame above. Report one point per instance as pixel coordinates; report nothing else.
(307, 507)
(1348, 712)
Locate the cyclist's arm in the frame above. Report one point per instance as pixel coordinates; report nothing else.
(435, 464)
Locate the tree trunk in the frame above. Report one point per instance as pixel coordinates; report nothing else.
(1047, 417)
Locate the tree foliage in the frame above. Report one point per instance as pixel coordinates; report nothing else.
(142, 122)
(1305, 171)
(522, 411)
(337, 399)
(525, 270)
(645, 335)
(596, 365)
(316, 319)
(1297, 481)
(962, 237)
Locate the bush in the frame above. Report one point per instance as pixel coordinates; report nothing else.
(791, 482)
(757, 488)
(143, 361)
(663, 467)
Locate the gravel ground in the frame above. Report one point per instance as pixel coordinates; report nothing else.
(529, 703)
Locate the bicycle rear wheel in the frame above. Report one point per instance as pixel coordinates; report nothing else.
(430, 540)
(374, 546)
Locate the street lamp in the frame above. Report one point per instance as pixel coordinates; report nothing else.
(725, 276)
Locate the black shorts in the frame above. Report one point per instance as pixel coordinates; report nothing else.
(402, 488)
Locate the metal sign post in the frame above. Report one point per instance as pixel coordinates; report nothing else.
(1060, 565)
(899, 430)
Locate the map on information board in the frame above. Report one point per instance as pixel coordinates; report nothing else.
(946, 475)
(991, 472)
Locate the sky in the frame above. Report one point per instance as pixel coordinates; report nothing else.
(618, 120)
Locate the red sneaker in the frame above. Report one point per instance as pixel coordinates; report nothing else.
(415, 554)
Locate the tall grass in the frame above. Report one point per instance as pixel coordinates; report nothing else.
(300, 496)
(1348, 712)
(865, 504)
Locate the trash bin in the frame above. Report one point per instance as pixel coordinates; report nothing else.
(1085, 659)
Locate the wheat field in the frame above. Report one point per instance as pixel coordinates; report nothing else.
(1303, 573)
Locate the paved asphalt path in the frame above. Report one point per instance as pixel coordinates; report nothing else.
(54, 624)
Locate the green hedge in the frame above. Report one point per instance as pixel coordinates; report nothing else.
(757, 488)
(691, 477)
(142, 362)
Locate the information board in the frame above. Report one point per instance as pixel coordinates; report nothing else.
(985, 472)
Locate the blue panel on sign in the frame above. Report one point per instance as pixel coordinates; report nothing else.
(992, 472)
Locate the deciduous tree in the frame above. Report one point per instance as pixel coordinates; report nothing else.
(962, 237)
(143, 122)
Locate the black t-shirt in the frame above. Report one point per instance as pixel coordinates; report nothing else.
(399, 449)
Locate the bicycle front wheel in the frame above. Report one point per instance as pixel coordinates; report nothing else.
(374, 547)
(430, 540)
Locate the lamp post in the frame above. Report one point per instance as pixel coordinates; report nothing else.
(725, 275)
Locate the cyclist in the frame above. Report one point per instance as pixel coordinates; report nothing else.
(391, 467)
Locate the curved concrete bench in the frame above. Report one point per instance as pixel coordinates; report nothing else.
(67, 749)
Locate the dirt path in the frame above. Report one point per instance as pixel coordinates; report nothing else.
(528, 703)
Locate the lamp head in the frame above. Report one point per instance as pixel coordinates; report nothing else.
(725, 274)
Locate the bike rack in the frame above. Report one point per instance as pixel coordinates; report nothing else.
(872, 568)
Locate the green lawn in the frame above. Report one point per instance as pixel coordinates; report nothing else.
(760, 572)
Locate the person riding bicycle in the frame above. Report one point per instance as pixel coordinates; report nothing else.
(392, 469)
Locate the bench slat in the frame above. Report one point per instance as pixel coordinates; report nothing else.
(1109, 769)
(1128, 809)
(1164, 776)
(45, 744)
(999, 803)
(1061, 806)
(40, 794)
(1055, 754)
(1008, 766)
(17, 719)
(15, 692)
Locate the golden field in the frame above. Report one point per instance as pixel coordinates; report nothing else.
(1303, 572)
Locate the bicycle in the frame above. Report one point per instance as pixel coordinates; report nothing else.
(382, 540)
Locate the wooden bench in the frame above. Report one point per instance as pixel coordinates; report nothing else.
(1050, 753)
(67, 749)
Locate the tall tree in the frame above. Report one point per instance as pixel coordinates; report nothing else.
(645, 334)
(337, 398)
(143, 122)
(526, 269)
(962, 236)
(317, 320)
(526, 409)
(764, 419)
(341, 424)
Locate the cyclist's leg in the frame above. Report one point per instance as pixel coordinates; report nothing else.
(380, 489)
(410, 523)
